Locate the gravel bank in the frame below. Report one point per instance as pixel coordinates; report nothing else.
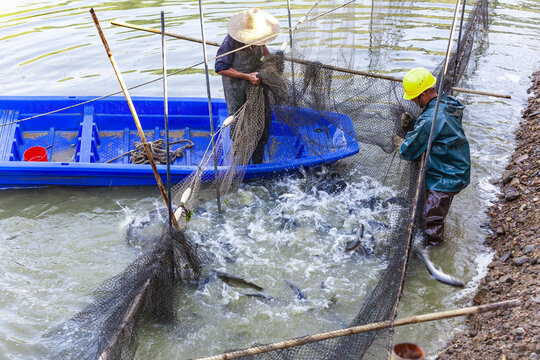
(514, 226)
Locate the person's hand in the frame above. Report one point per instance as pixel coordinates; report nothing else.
(398, 141)
(406, 120)
(253, 78)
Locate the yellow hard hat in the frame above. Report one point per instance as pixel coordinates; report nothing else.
(416, 81)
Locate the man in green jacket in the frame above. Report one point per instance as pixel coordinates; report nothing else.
(449, 165)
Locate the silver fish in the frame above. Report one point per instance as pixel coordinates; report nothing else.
(261, 296)
(422, 253)
(357, 242)
(236, 281)
(299, 293)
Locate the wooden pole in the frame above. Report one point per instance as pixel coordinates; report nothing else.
(424, 164)
(133, 112)
(291, 47)
(108, 352)
(166, 114)
(458, 46)
(174, 73)
(365, 328)
(156, 31)
(442, 79)
(209, 106)
(305, 62)
(478, 92)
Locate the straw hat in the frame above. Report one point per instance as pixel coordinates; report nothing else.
(251, 25)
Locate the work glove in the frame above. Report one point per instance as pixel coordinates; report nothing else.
(406, 120)
(398, 141)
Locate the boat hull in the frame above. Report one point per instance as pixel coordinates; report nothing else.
(82, 139)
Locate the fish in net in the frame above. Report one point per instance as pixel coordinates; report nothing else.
(309, 77)
(146, 290)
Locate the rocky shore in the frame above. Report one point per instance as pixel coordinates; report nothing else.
(514, 224)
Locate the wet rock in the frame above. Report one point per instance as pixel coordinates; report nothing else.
(521, 260)
(480, 295)
(507, 279)
(511, 194)
(505, 256)
(514, 233)
(508, 176)
(514, 182)
(521, 158)
(529, 248)
(495, 264)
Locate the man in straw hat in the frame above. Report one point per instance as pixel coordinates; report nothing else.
(449, 166)
(254, 27)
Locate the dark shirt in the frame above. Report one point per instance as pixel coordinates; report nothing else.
(225, 62)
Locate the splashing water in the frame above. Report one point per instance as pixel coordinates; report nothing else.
(272, 234)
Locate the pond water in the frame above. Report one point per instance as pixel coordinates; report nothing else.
(58, 244)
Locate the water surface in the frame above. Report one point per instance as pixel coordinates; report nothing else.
(57, 245)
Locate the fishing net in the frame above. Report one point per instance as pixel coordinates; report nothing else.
(145, 290)
(314, 93)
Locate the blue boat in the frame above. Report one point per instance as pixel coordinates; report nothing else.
(79, 141)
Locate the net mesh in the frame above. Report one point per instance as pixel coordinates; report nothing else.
(316, 76)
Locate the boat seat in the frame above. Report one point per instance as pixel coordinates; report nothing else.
(11, 138)
(88, 138)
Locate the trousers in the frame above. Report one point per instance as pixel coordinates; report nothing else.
(436, 208)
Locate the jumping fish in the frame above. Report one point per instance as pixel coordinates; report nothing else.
(261, 296)
(205, 282)
(286, 195)
(377, 225)
(356, 243)
(366, 203)
(395, 201)
(236, 281)
(422, 253)
(299, 293)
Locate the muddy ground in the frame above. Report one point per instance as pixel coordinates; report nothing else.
(514, 226)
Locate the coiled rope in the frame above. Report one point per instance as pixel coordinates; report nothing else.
(158, 150)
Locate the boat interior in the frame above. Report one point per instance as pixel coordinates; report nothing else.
(104, 130)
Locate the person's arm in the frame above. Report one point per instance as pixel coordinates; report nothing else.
(416, 141)
(223, 64)
(235, 74)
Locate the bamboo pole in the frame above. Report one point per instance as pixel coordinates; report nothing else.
(290, 23)
(201, 16)
(305, 62)
(166, 115)
(458, 46)
(479, 92)
(157, 31)
(133, 112)
(442, 79)
(365, 328)
(423, 167)
(108, 352)
(291, 47)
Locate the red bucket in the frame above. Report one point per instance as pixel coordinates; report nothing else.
(35, 153)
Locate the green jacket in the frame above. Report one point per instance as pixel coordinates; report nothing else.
(449, 167)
